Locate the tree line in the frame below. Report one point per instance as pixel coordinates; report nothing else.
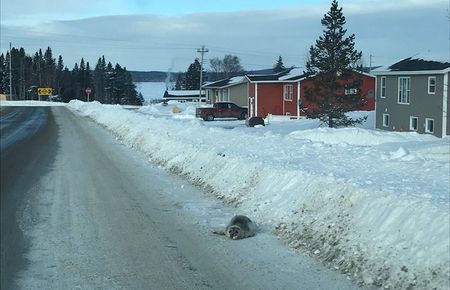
(229, 66)
(109, 84)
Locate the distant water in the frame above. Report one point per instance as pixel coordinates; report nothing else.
(151, 90)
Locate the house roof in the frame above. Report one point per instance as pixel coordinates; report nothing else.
(182, 95)
(410, 65)
(285, 76)
(225, 82)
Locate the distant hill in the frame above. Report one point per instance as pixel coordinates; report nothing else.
(152, 76)
(161, 76)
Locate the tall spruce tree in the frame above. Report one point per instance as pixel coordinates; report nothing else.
(179, 82)
(333, 62)
(192, 76)
(110, 79)
(49, 68)
(99, 80)
(4, 77)
(59, 75)
(279, 66)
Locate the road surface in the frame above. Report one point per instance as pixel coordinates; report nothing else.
(81, 210)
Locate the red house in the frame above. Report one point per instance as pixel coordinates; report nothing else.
(281, 93)
(367, 90)
(276, 94)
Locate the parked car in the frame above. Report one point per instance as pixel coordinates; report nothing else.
(222, 110)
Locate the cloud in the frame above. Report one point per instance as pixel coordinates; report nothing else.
(154, 42)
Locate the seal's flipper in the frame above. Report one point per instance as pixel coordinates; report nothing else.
(219, 232)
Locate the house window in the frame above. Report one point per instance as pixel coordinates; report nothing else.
(383, 87)
(429, 125)
(431, 85)
(385, 120)
(225, 95)
(351, 91)
(404, 89)
(413, 123)
(288, 92)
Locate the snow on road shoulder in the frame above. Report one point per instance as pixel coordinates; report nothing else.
(374, 205)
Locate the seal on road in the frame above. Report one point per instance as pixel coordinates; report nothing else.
(240, 227)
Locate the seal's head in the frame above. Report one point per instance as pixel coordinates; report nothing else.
(234, 232)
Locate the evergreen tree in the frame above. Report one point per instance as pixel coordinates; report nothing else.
(35, 70)
(333, 60)
(110, 78)
(179, 84)
(4, 76)
(49, 68)
(113, 85)
(75, 83)
(99, 80)
(87, 77)
(192, 76)
(279, 66)
(140, 99)
(59, 75)
(67, 90)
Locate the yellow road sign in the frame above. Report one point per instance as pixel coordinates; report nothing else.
(45, 91)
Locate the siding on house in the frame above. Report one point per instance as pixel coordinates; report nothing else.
(266, 93)
(367, 90)
(228, 90)
(423, 105)
(238, 94)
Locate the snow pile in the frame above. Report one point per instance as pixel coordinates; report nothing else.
(374, 205)
(356, 136)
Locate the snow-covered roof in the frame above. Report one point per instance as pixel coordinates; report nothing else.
(181, 93)
(225, 82)
(413, 65)
(293, 74)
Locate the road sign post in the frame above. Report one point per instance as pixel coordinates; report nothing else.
(44, 92)
(88, 92)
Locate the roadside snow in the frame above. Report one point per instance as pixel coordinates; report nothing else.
(372, 204)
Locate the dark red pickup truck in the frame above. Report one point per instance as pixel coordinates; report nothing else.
(222, 110)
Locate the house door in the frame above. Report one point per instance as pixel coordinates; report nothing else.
(251, 106)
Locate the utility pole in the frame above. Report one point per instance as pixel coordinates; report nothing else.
(202, 50)
(10, 74)
(370, 62)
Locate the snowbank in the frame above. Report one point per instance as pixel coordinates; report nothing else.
(374, 205)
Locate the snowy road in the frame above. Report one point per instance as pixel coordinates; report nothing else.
(97, 215)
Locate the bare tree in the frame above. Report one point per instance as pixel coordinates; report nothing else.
(216, 65)
(228, 67)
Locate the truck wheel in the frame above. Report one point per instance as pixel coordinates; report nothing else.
(210, 117)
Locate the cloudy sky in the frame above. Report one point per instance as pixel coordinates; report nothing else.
(165, 35)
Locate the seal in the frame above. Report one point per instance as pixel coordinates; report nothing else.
(240, 227)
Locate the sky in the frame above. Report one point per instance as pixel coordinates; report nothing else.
(165, 35)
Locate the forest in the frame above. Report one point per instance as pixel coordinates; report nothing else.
(109, 84)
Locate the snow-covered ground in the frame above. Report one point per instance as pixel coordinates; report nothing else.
(372, 204)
